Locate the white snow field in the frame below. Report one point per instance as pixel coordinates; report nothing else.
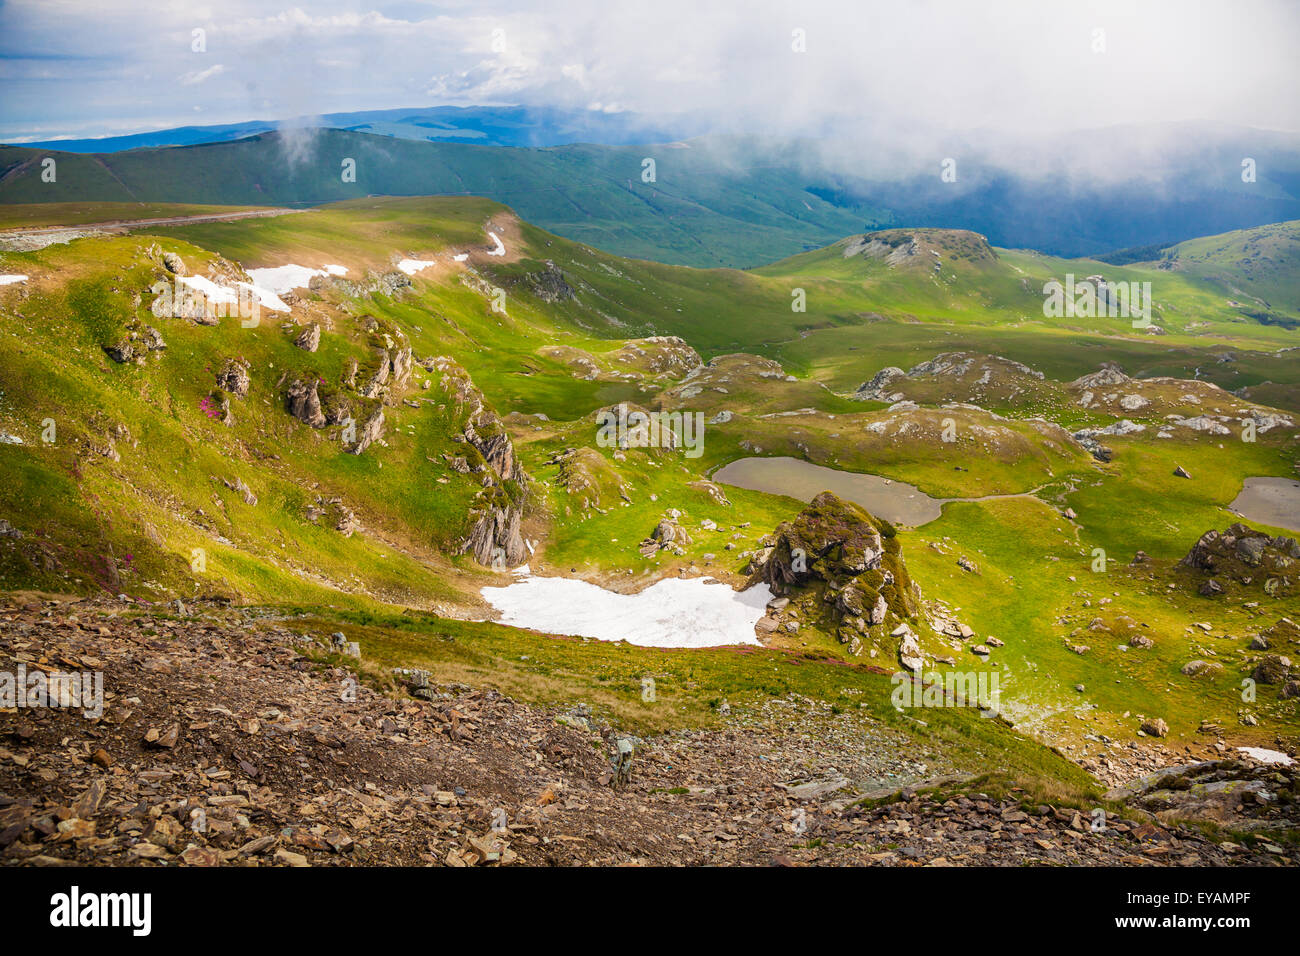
(412, 266)
(696, 612)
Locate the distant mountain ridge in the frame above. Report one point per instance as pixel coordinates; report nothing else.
(734, 201)
(480, 125)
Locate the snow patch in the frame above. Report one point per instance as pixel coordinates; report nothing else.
(220, 294)
(674, 612)
(500, 250)
(11, 279)
(1264, 755)
(412, 266)
(285, 278)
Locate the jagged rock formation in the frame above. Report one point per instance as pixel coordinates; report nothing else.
(370, 432)
(879, 388)
(494, 537)
(389, 374)
(303, 402)
(233, 378)
(841, 567)
(309, 339)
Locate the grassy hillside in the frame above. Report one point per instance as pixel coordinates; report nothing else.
(699, 209)
(116, 471)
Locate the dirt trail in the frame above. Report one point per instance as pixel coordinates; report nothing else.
(30, 238)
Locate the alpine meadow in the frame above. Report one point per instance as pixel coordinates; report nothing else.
(523, 435)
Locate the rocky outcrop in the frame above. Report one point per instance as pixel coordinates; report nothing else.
(668, 534)
(387, 283)
(549, 284)
(1108, 374)
(309, 339)
(1245, 557)
(373, 387)
(121, 351)
(842, 568)
(369, 432)
(233, 378)
(1272, 669)
(1243, 794)
(238, 486)
(880, 387)
(303, 402)
(715, 493)
(494, 537)
(336, 515)
(1087, 437)
(591, 481)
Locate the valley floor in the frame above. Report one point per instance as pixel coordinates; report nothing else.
(229, 739)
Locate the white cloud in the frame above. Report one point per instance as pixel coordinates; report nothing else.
(1009, 65)
(195, 77)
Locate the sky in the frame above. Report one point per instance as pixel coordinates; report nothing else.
(1023, 67)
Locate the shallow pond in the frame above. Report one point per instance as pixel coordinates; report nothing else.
(895, 501)
(1271, 501)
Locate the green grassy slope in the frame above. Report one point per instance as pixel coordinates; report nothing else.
(138, 474)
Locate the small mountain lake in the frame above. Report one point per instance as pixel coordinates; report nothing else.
(1271, 501)
(895, 501)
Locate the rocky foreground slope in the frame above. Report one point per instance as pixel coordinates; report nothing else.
(229, 740)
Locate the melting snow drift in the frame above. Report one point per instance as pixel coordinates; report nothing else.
(285, 278)
(412, 266)
(220, 294)
(1263, 755)
(11, 279)
(698, 612)
(500, 250)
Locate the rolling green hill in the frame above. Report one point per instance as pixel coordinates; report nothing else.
(699, 209)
